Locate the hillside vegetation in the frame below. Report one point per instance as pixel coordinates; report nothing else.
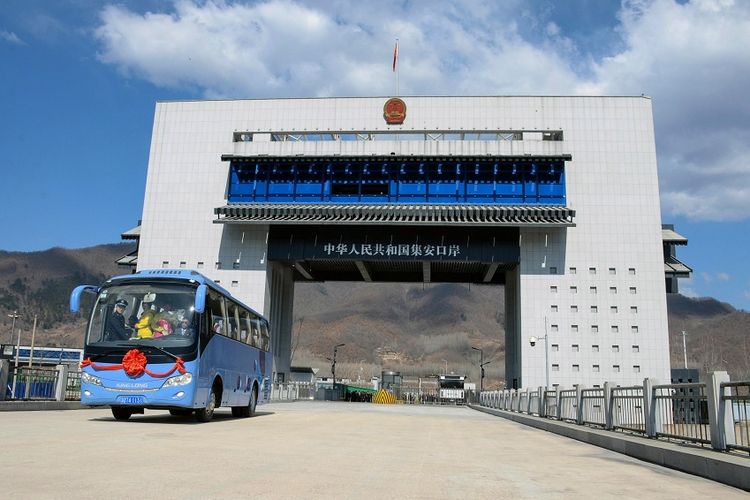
(413, 328)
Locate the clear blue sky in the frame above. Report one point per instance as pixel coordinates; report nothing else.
(80, 79)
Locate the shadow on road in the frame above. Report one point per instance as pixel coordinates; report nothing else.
(163, 417)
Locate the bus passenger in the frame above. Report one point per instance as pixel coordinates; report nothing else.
(116, 329)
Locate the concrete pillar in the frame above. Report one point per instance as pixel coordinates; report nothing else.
(579, 404)
(649, 408)
(608, 409)
(61, 384)
(280, 291)
(542, 401)
(558, 410)
(513, 341)
(720, 418)
(4, 372)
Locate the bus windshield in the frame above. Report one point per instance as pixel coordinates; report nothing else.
(155, 314)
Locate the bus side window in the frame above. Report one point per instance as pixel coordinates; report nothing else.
(264, 335)
(247, 328)
(233, 319)
(214, 306)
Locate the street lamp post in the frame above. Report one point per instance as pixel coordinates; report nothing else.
(333, 365)
(481, 362)
(14, 316)
(533, 341)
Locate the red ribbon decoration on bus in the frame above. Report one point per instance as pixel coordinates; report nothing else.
(134, 364)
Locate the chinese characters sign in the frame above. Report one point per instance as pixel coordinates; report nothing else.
(415, 250)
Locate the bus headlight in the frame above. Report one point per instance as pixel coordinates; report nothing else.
(90, 379)
(183, 379)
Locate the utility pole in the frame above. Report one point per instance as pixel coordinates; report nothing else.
(14, 316)
(481, 370)
(31, 358)
(684, 348)
(333, 365)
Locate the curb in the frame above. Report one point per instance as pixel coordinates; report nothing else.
(710, 464)
(40, 405)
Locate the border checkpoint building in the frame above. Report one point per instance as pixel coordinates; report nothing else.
(556, 198)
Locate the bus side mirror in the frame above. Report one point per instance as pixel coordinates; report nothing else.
(75, 296)
(200, 298)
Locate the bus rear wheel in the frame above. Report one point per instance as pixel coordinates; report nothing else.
(121, 413)
(249, 410)
(207, 413)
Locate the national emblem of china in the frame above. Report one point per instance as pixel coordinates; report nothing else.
(394, 111)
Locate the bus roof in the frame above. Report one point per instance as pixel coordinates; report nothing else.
(178, 275)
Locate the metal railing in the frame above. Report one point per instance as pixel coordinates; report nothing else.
(569, 405)
(592, 407)
(292, 391)
(736, 396)
(550, 403)
(73, 386)
(33, 383)
(715, 413)
(627, 409)
(681, 412)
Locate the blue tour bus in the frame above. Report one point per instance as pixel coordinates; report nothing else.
(173, 340)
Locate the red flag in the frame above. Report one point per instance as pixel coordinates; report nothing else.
(395, 56)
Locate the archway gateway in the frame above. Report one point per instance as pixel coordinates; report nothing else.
(556, 198)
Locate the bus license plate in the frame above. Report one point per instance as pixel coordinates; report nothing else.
(131, 400)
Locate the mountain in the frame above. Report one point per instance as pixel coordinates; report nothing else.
(412, 328)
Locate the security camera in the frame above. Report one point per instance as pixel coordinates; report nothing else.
(532, 341)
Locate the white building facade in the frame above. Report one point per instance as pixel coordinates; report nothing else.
(589, 271)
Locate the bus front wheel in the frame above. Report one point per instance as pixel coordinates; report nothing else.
(121, 413)
(207, 413)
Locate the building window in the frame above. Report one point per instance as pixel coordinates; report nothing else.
(576, 368)
(183, 264)
(592, 270)
(594, 309)
(555, 347)
(616, 368)
(574, 328)
(217, 265)
(553, 270)
(613, 290)
(596, 368)
(636, 369)
(200, 265)
(634, 329)
(594, 328)
(612, 270)
(574, 309)
(218, 282)
(614, 329)
(165, 264)
(633, 291)
(592, 289)
(613, 309)
(631, 271)
(572, 270)
(555, 367)
(553, 289)
(553, 308)
(235, 283)
(594, 348)
(554, 328)
(574, 347)
(634, 309)
(615, 348)
(636, 348)
(573, 289)
(235, 265)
